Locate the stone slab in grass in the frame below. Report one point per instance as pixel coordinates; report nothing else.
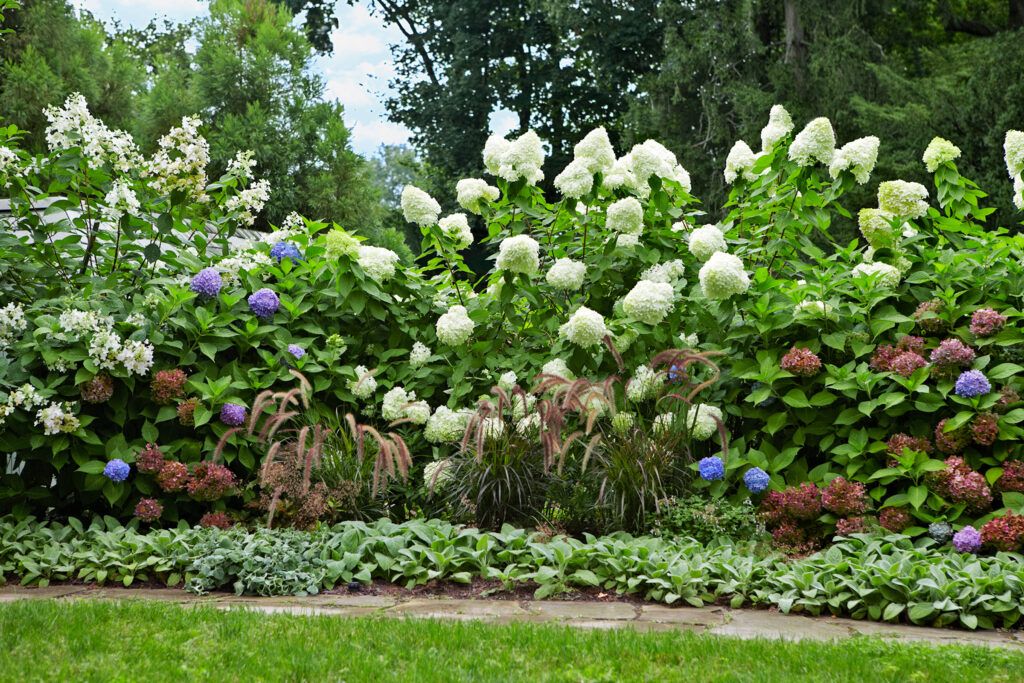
(602, 611)
(11, 593)
(459, 609)
(773, 625)
(691, 616)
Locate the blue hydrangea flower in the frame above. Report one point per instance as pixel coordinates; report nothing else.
(117, 470)
(756, 479)
(711, 468)
(264, 303)
(296, 350)
(967, 540)
(232, 414)
(283, 250)
(972, 383)
(206, 283)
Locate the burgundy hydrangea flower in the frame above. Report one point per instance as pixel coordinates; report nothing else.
(187, 410)
(898, 442)
(961, 484)
(173, 476)
(793, 503)
(232, 414)
(881, 360)
(148, 509)
(850, 525)
(926, 319)
(1004, 533)
(952, 354)
(985, 322)
(845, 498)
(1012, 478)
(150, 459)
(220, 520)
(907, 363)
(789, 537)
(894, 519)
(211, 481)
(985, 429)
(168, 385)
(1007, 399)
(911, 343)
(953, 441)
(97, 390)
(801, 362)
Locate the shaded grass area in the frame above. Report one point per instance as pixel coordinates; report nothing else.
(45, 640)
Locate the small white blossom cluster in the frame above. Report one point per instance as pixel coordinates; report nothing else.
(633, 171)
(104, 345)
(242, 165)
(249, 202)
(939, 151)
(625, 216)
(646, 384)
(377, 262)
(689, 340)
(446, 425)
(508, 380)
(456, 228)
(471, 193)
(740, 163)
(12, 323)
(76, 322)
(437, 473)
(364, 384)
(567, 274)
(181, 160)
(584, 328)
(815, 309)
(701, 421)
(887, 276)
(8, 162)
(627, 242)
(419, 355)
(528, 425)
(902, 198)
(291, 226)
(816, 142)
(1013, 153)
(576, 180)
(723, 276)
(705, 241)
(73, 126)
(24, 397)
(57, 418)
(455, 326)
(120, 200)
(877, 227)
(419, 207)
(243, 262)
(515, 159)
(858, 157)
(780, 124)
(649, 302)
(519, 254)
(670, 272)
(558, 368)
(399, 404)
(595, 150)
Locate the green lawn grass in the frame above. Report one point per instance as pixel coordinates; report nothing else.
(139, 641)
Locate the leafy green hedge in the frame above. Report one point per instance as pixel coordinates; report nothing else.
(863, 577)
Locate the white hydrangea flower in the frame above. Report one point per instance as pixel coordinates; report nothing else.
(815, 309)
(595, 150)
(576, 180)
(437, 473)
(181, 160)
(456, 227)
(901, 198)
(473, 193)
(652, 158)
(244, 261)
(626, 216)
(877, 228)
(493, 428)
(558, 368)
(701, 421)
(377, 262)
(670, 272)
(940, 151)
(121, 200)
(663, 422)
(12, 323)
(1018, 193)
(249, 202)
(75, 322)
(705, 241)
(623, 422)
(72, 125)
(681, 226)
(242, 165)
(364, 384)
(419, 207)
(399, 404)
(740, 162)
(519, 254)
(584, 328)
(8, 161)
(816, 142)
(455, 326)
(620, 174)
(521, 404)
(519, 158)
(646, 384)
(627, 242)
(1013, 152)
(57, 418)
(567, 274)
(508, 380)
(419, 355)
(528, 425)
(887, 276)
(495, 150)
(649, 302)
(858, 157)
(689, 340)
(780, 124)
(723, 276)
(104, 348)
(136, 357)
(446, 425)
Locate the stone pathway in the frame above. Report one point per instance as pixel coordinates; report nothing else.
(738, 623)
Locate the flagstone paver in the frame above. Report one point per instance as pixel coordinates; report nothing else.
(741, 623)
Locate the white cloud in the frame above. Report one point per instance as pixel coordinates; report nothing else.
(368, 136)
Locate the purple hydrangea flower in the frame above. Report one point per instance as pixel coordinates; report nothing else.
(283, 250)
(967, 540)
(264, 303)
(972, 383)
(756, 479)
(117, 470)
(711, 468)
(207, 283)
(296, 350)
(232, 414)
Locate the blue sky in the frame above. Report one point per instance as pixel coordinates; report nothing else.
(357, 74)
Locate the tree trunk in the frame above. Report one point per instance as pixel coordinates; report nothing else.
(1016, 13)
(796, 47)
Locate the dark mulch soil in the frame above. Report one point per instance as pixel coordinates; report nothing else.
(479, 589)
